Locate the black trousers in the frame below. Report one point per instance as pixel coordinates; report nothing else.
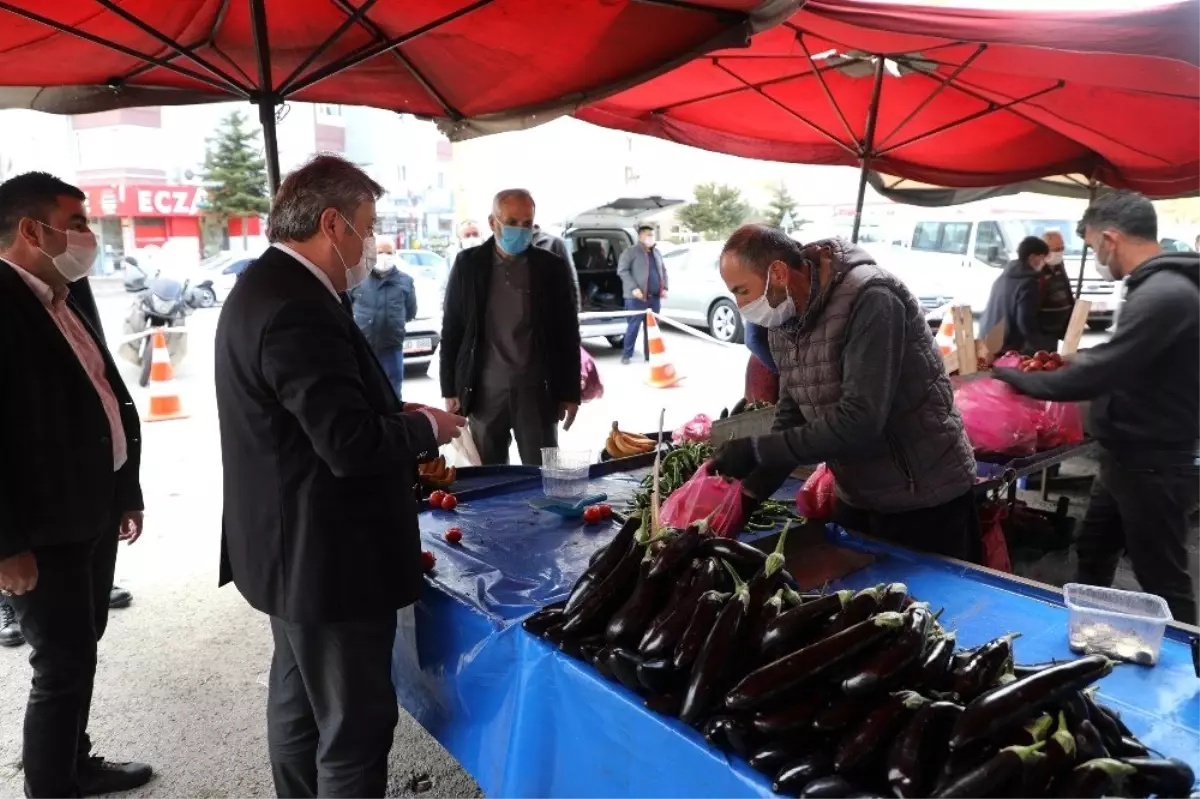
(1140, 505)
(331, 709)
(502, 412)
(950, 529)
(63, 619)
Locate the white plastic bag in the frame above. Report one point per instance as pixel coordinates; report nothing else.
(465, 453)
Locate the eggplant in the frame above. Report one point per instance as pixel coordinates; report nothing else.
(934, 664)
(677, 553)
(707, 609)
(1110, 732)
(741, 736)
(956, 765)
(602, 566)
(1159, 776)
(885, 665)
(1126, 747)
(664, 704)
(792, 718)
(658, 676)
(581, 648)
(1088, 742)
(798, 773)
(543, 620)
(861, 607)
(1059, 758)
(683, 587)
(913, 754)
(627, 625)
(1037, 730)
(1025, 669)
(744, 558)
(1075, 707)
(894, 596)
(1006, 706)
(842, 712)
(714, 731)
(720, 649)
(867, 742)
(623, 664)
(767, 682)
(764, 581)
(829, 787)
(1110, 714)
(1004, 768)
(554, 633)
(993, 659)
(604, 599)
(1101, 776)
(962, 657)
(664, 633)
(773, 756)
(794, 625)
(600, 663)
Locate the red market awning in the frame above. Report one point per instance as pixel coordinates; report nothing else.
(961, 97)
(498, 62)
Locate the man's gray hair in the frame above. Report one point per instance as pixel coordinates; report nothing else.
(327, 181)
(759, 246)
(510, 194)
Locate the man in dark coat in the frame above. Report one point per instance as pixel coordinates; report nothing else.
(644, 284)
(1057, 300)
(1144, 388)
(510, 338)
(1015, 300)
(310, 431)
(68, 425)
(383, 305)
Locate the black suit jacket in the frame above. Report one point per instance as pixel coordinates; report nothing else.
(555, 323)
(57, 483)
(320, 518)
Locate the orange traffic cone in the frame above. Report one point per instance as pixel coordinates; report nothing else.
(945, 335)
(662, 371)
(164, 401)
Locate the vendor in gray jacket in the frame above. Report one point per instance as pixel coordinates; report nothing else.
(383, 305)
(644, 284)
(861, 387)
(1144, 387)
(1015, 299)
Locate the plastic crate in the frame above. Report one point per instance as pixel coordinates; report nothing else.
(1126, 625)
(745, 425)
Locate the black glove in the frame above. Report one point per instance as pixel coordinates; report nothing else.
(1012, 377)
(736, 459)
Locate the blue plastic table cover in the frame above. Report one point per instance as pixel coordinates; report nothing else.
(526, 720)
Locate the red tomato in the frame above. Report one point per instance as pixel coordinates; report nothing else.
(1049, 366)
(591, 514)
(449, 502)
(1056, 359)
(605, 511)
(1032, 366)
(436, 498)
(428, 561)
(1041, 356)
(454, 535)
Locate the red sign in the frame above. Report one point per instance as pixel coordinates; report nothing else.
(155, 201)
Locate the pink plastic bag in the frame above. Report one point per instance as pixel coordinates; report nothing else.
(815, 498)
(705, 496)
(590, 387)
(699, 429)
(1058, 424)
(1010, 360)
(998, 419)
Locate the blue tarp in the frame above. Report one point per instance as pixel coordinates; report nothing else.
(526, 720)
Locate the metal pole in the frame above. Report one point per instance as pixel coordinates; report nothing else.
(867, 143)
(1083, 258)
(266, 96)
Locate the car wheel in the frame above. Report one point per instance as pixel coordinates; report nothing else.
(206, 297)
(616, 342)
(1099, 325)
(725, 322)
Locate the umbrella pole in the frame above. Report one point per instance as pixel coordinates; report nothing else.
(266, 98)
(1083, 257)
(867, 143)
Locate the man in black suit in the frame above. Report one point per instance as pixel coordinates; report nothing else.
(510, 337)
(320, 521)
(69, 430)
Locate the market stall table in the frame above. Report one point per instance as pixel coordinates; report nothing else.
(526, 720)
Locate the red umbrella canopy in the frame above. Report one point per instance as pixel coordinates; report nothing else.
(455, 59)
(945, 95)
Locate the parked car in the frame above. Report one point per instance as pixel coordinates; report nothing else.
(423, 335)
(698, 296)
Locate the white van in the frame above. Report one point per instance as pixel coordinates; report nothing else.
(955, 261)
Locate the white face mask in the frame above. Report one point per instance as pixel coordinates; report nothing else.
(760, 312)
(471, 241)
(356, 274)
(75, 261)
(384, 264)
(1104, 266)
(1055, 259)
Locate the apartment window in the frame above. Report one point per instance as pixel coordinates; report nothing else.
(329, 109)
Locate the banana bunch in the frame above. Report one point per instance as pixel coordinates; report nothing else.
(435, 473)
(623, 445)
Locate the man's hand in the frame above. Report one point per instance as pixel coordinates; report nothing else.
(735, 459)
(130, 528)
(453, 405)
(1010, 376)
(18, 574)
(413, 407)
(566, 413)
(638, 295)
(449, 425)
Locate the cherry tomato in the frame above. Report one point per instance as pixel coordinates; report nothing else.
(449, 502)
(1041, 356)
(605, 511)
(454, 535)
(428, 561)
(436, 499)
(591, 514)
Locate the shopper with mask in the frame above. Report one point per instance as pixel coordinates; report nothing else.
(1015, 299)
(861, 388)
(644, 283)
(319, 530)
(383, 305)
(1144, 389)
(1056, 300)
(69, 485)
(510, 338)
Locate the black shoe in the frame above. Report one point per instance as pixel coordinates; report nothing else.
(119, 597)
(10, 631)
(99, 776)
(625, 361)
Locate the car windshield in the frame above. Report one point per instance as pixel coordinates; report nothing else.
(1020, 228)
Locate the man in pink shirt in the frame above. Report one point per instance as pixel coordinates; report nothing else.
(69, 486)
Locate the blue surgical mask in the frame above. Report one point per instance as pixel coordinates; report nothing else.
(514, 240)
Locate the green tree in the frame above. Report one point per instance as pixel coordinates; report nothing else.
(782, 205)
(717, 212)
(235, 173)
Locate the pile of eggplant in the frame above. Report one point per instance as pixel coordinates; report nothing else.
(846, 693)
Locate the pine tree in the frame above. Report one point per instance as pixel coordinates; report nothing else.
(235, 173)
(782, 205)
(717, 212)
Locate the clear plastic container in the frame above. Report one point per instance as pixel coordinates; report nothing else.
(1125, 625)
(565, 473)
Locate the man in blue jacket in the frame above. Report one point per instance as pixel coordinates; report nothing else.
(383, 305)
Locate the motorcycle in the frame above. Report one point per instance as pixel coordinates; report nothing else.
(202, 295)
(162, 306)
